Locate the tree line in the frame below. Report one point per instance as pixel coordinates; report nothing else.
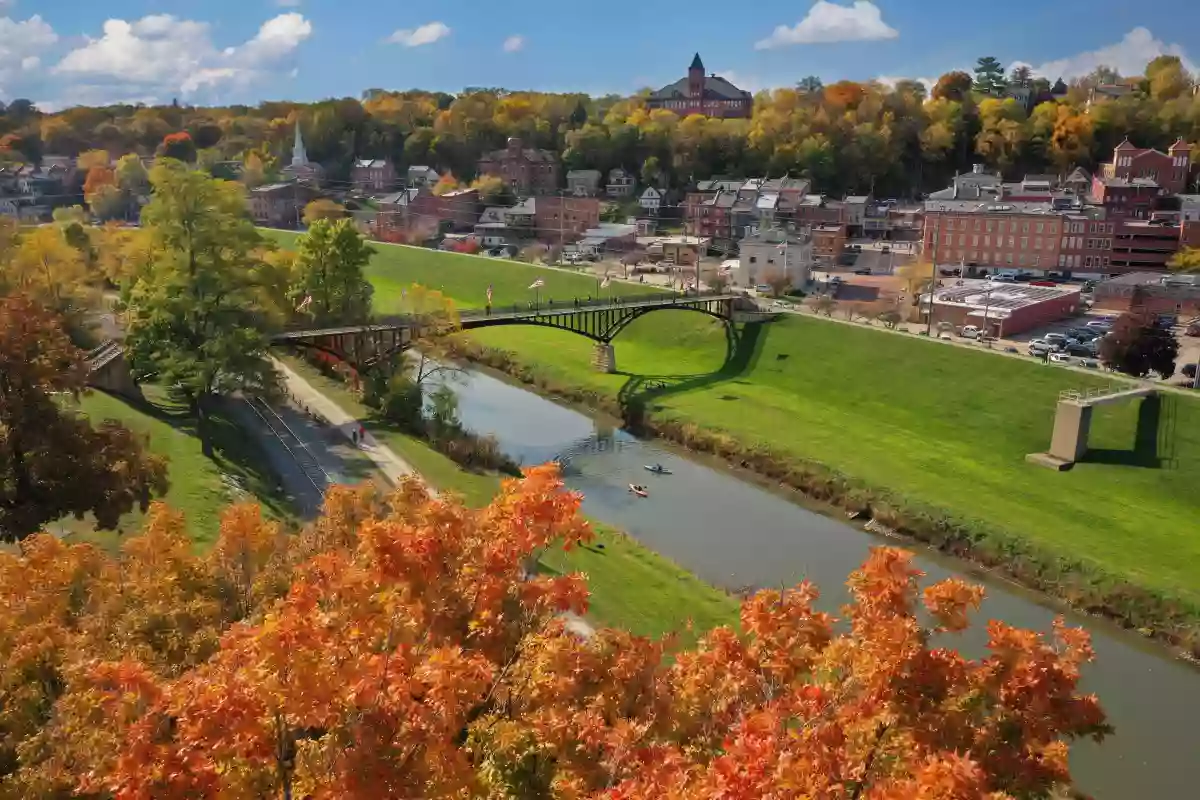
(847, 137)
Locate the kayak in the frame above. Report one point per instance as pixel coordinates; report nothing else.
(638, 491)
(657, 469)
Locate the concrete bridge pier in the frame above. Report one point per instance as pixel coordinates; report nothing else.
(1073, 423)
(604, 359)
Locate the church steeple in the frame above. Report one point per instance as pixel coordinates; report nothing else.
(299, 156)
(697, 63)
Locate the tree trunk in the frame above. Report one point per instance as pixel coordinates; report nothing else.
(200, 410)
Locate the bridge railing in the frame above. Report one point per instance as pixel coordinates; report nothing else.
(540, 305)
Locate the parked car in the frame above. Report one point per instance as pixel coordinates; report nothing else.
(1000, 278)
(1061, 358)
(1090, 363)
(1081, 350)
(1042, 283)
(1060, 339)
(1104, 326)
(970, 332)
(863, 271)
(885, 249)
(1039, 348)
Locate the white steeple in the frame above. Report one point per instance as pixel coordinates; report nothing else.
(299, 157)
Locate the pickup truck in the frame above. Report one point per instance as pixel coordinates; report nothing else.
(970, 332)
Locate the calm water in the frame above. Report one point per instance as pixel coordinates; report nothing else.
(735, 534)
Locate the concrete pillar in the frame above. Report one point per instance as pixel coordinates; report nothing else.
(604, 359)
(1072, 423)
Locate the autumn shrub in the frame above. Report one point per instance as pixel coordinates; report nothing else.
(399, 648)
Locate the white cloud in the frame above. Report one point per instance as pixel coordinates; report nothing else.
(22, 42)
(426, 34)
(749, 83)
(1128, 57)
(890, 81)
(161, 54)
(829, 22)
(514, 43)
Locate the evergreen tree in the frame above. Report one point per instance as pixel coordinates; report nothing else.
(989, 76)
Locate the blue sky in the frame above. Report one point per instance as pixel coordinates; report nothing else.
(66, 52)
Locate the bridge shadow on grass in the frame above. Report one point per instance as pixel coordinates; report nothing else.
(234, 453)
(743, 347)
(1152, 439)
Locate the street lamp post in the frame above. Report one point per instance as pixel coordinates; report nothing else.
(936, 241)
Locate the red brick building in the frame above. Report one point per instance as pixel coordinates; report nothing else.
(1002, 310)
(564, 217)
(526, 170)
(373, 175)
(1169, 170)
(1010, 236)
(420, 213)
(710, 95)
(1149, 292)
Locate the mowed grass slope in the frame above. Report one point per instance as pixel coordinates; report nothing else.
(941, 425)
(466, 278)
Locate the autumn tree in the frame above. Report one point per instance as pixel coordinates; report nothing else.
(53, 462)
(323, 209)
(132, 177)
(1186, 260)
(400, 648)
(328, 282)
(492, 190)
(446, 183)
(1136, 346)
(193, 318)
(48, 268)
(779, 281)
(178, 146)
(954, 86)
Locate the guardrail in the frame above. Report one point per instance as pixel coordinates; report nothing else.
(1097, 392)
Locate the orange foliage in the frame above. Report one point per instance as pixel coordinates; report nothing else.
(399, 648)
(847, 94)
(96, 177)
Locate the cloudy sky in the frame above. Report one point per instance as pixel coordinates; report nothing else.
(67, 52)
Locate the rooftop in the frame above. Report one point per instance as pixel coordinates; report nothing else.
(977, 207)
(1136, 279)
(1003, 298)
(776, 236)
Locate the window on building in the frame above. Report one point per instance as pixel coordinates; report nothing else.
(1024, 227)
(975, 241)
(989, 225)
(979, 225)
(753, 259)
(1062, 260)
(1037, 243)
(1106, 261)
(1037, 261)
(1040, 227)
(1008, 259)
(1087, 261)
(1024, 242)
(1011, 240)
(962, 239)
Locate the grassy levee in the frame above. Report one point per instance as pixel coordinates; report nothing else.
(931, 437)
(466, 278)
(631, 587)
(200, 487)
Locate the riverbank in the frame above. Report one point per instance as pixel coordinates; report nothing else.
(913, 435)
(631, 586)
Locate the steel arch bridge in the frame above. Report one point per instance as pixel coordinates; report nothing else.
(365, 347)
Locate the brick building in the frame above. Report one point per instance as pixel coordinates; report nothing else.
(993, 237)
(1151, 292)
(710, 95)
(526, 170)
(419, 212)
(1002, 310)
(828, 241)
(1169, 170)
(373, 175)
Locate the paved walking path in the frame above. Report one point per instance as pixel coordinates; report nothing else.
(390, 464)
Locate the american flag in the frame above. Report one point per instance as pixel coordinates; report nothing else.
(489, 294)
(539, 283)
(305, 303)
(604, 283)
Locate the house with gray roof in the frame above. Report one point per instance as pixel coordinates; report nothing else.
(583, 182)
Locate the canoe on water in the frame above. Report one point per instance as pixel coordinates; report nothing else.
(639, 491)
(657, 469)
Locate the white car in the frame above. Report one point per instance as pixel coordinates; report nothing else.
(1039, 347)
(1100, 325)
(1061, 358)
(970, 332)
(1001, 278)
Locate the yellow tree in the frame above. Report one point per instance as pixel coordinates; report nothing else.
(323, 208)
(91, 159)
(1186, 260)
(45, 266)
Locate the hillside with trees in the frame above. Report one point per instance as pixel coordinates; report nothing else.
(847, 137)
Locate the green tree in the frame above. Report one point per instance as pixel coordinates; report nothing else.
(329, 282)
(193, 316)
(989, 76)
(810, 84)
(1020, 77)
(132, 177)
(53, 463)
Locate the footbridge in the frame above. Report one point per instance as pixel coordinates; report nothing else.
(108, 370)
(367, 346)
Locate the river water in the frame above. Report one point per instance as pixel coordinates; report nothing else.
(734, 534)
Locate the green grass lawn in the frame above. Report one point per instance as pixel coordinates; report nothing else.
(632, 587)
(200, 487)
(941, 425)
(466, 278)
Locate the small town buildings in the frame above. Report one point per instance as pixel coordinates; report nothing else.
(373, 175)
(279, 205)
(1168, 170)
(856, 213)
(583, 182)
(301, 169)
(651, 200)
(525, 170)
(419, 212)
(606, 238)
(492, 228)
(559, 220)
(620, 183)
(421, 175)
(775, 251)
(684, 251)
(711, 95)
(828, 241)
(1002, 309)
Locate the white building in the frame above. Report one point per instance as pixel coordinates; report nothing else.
(773, 251)
(651, 200)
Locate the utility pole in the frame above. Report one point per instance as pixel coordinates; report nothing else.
(933, 269)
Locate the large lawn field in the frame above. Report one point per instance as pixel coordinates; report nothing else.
(466, 278)
(200, 487)
(941, 425)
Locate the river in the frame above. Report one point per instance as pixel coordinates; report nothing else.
(735, 534)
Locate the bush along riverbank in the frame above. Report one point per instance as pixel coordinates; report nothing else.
(430, 414)
(1072, 581)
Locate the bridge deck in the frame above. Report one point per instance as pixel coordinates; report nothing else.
(482, 318)
(1100, 397)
